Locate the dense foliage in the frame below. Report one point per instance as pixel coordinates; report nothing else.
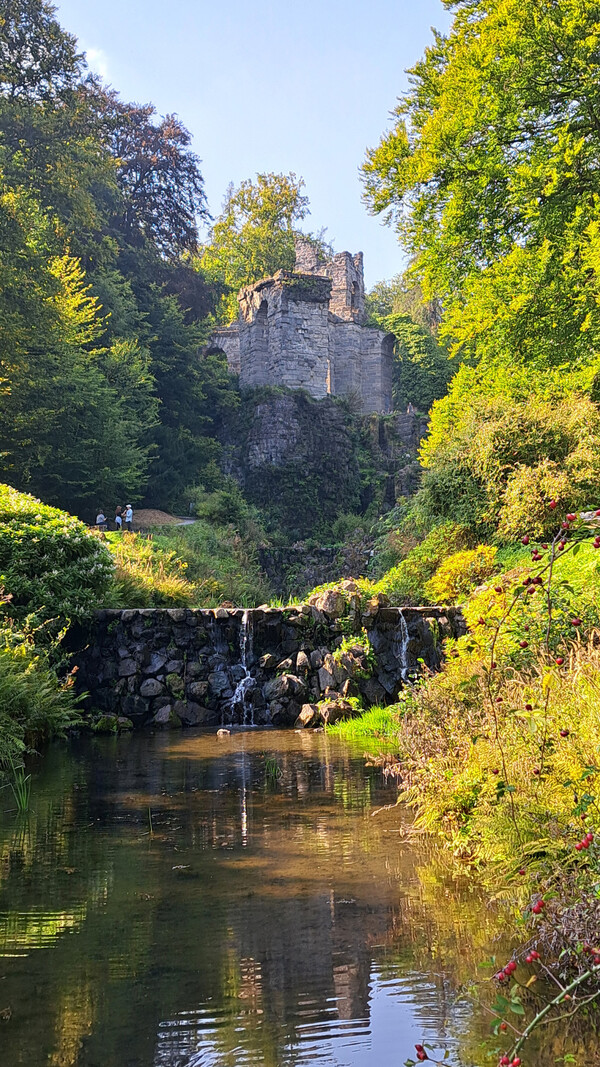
(51, 566)
(490, 174)
(103, 392)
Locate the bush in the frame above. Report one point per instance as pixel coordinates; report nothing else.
(407, 582)
(460, 573)
(34, 703)
(503, 443)
(51, 565)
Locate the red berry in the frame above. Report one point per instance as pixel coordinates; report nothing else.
(552, 504)
(538, 907)
(589, 836)
(535, 955)
(571, 517)
(495, 770)
(525, 540)
(579, 846)
(423, 1056)
(516, 1062)
(503, 1027)
(576, 622)
(559, 661)
(531, 589)
(564, 733)
(529, 959)
(420, 1048)
(523, 644)
(536, 770)
(529, 707)
(504, 1061)
(522, 871)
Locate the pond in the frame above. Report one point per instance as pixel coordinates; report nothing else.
(189, 901)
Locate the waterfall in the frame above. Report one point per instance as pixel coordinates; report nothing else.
(240, 696)
(403, 649)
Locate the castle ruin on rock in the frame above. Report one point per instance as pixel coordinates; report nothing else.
(305, 330)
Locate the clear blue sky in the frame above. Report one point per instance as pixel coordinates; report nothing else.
(281, 86)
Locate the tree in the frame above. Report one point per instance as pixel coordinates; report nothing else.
(253, 237)
(158, 175)
(39, 61)
(72, 415)
(490, 175)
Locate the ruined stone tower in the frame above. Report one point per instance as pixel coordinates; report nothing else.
(305, 330)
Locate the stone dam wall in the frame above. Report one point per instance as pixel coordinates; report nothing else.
(176, 667)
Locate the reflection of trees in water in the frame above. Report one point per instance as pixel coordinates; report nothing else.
(285, 902)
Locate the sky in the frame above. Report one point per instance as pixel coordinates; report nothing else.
(274, 85)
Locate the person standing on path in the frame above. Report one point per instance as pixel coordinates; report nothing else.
(101, 519)
(119, 519)
(129, 518)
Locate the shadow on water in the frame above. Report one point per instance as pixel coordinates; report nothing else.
(271, 911)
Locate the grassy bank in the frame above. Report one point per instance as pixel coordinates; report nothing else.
(201, 565)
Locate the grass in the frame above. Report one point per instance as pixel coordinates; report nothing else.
(20, 784)
(379, 725)
(201, 565)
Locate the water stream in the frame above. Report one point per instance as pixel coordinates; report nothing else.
(240, 700)
(188, 901)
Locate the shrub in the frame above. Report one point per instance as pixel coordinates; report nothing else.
(407, 582)
(51, 565)
(34, 703)
(460, 573)
(503, 442)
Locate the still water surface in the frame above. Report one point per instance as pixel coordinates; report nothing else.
(277, 914)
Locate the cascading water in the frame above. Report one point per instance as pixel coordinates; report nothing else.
(402, 644)
(239, 701)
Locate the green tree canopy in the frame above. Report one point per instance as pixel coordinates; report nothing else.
(490, 174)
(253, 237)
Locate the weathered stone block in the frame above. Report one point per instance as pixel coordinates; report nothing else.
(151, 687)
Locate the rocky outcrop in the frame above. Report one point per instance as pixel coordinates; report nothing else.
(181, 667)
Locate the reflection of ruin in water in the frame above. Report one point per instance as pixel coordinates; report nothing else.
(267, 920)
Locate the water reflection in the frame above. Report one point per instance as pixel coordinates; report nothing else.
(189, 902)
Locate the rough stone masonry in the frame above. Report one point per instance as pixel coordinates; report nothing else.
(165, 667)
(305, 330)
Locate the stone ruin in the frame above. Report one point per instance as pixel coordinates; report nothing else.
(305, 329)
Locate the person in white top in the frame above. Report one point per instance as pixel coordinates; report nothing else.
(128, 518)
(101, 520)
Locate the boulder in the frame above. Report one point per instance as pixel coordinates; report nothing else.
(192, 714)
(302, 664)
(167, 718)
(285, 687)
(375, 603)
(268, 662)
(155, 664)
(309, 716)
(127, 668)
(219, 682)
(326, 679)
(197, 690)
(151, 687)
(333, 710)
(331, 603)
